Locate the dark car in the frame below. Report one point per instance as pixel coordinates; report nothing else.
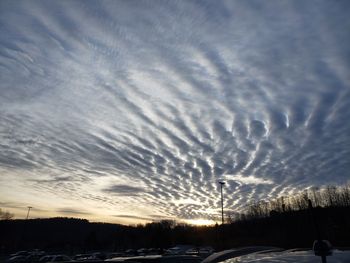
(90, 257)
(20, 253)
(54, 258)
(17, 259)
(159, 259)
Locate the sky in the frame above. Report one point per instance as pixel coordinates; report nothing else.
(133, 111)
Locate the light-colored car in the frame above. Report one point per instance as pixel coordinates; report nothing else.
(291, 257)
(236, 252)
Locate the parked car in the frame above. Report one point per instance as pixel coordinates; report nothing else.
(236, 252)
(17, 259)
(178, 250)
(154, 251)
(54, 258)
(142, 251)
(159, 259)
(130, 252)
(20, 253)
(291, 257)
(26, 256)
(115, 255)
(33, 258)
(203, 252)
(81, 257)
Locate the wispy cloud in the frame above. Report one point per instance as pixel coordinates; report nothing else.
(124, 190)
(71, 211)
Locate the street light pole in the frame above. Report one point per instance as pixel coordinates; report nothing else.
(29, 207)
(222, 202)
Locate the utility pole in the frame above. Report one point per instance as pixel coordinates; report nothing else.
(29, 207)
(222, 202)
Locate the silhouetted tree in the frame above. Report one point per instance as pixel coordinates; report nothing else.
(5, 215)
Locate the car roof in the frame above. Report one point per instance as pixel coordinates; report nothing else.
(291, 257)
(133, 258)
(232, 253)
(153, 258)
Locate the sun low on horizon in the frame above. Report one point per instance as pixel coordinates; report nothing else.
(133, 111)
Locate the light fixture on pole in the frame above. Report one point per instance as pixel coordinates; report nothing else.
(222, 202)
(29, 207)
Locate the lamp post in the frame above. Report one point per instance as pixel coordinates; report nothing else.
(29, 207)
(222, 202)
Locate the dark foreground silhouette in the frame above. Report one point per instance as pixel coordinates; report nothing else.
(280, 223)
(288, 230)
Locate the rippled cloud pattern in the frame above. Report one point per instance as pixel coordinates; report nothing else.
(136, 109)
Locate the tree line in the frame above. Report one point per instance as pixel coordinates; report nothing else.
(328, 197)
(284, 222)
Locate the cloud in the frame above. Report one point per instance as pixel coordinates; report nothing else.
(12, 205)
(71, 211)
(124, 190)
(246, 180)
(135, 217)
(135, 107)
